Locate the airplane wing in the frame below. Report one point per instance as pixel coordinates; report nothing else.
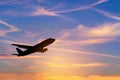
(22, 46)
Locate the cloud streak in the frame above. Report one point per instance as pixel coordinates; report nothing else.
(28, 66)
(107, 14)
(15, 57)
(91, 35)
(35, 10)
(67, 50)
(73, 65)
(42, 11)
(11, 2)
(11, 28)
(82, 8)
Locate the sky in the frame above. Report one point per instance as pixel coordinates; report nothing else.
(87, 34)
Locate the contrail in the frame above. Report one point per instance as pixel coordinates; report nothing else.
(81, 8)
(107, 14)
(85, 52)
(12, 28)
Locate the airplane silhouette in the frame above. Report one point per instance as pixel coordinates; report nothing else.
(40, 47)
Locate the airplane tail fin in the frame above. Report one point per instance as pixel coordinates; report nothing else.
(19, 51)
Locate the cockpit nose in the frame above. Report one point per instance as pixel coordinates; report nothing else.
(52, 39)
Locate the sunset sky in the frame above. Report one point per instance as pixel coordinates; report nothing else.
(87, 34)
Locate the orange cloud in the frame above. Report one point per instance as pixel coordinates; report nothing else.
(44, 76)
(15, 57)
(90, 65)
(84, 78)
(17, 76)
(74, 65)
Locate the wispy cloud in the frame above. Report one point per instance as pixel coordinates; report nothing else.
(84, 35)
(107, 14)
(47, 12)
(28, 66)
(11, 2)
(73, 65)
(82, 8)
(15, 57)
(11, 28)
(30, 34)
(42, 11)
(90, 65)
(91, 35)
(73, 51)
(36, 10)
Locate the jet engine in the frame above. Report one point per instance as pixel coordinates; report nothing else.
(44, 50)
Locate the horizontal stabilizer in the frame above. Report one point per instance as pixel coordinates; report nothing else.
(14, 54)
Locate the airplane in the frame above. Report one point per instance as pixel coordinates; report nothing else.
(40, 47)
